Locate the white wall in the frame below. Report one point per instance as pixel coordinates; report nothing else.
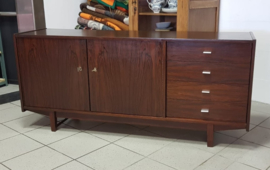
(235, 15)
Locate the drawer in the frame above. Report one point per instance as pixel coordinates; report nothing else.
(214, 111)
(207, 92)
(208, 72)
(209, 52)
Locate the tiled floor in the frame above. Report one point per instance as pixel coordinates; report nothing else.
(26, 143)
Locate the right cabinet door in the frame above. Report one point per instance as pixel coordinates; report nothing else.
(127, 77)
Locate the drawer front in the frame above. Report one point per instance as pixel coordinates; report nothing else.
(214, 111)
(209, 52)
(207, 92)
(208, 72)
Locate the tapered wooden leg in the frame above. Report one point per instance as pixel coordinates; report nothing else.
(53, 121)
(210, 135)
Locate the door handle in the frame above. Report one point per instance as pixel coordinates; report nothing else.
(94, 70)
(79, 69)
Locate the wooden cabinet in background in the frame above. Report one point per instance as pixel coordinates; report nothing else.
(200, 81)
(192, 15)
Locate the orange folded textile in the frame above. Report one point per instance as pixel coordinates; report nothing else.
(121, 25)
(101, 20)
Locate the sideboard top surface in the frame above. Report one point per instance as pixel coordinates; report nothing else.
(69, 33)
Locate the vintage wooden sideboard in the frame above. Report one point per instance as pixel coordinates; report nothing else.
(191, 80)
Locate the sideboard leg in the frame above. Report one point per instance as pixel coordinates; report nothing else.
(53, 120)
(210, 135)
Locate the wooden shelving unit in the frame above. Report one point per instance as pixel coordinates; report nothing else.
(192, 15)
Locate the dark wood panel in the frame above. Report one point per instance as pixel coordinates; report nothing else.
(170, 35)
(218, 92)
(220, 52)
(128, 77)
(140, 120)
(222, 73)
(235, 112)
(49, 76)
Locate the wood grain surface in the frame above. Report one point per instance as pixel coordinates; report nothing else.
(49, 76)
(128, 79)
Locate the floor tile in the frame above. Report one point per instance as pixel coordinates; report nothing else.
(6, 132)
(239, 166)
(148, 164)
(9, 97)
(16, 146)
(111, 157)
(6, 106)
(143, 142)
(74, 165)
(2, 167)
(257, 117)
(181, 156)
(259, 136)
(266, 123)
(248, 153)
(9, 88)
(215, 163)
(262, 107)
(195, 139)
(78, 145)
(28, 123)
(12, 113)
(236, 133)
(46, 136)
(112, 132)
(40, 159)
(17, 102)
(81, 124)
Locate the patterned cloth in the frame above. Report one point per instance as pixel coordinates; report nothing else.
(100, 20)
(93, 24)
(121, 25)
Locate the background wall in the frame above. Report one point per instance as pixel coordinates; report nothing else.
(235, 15)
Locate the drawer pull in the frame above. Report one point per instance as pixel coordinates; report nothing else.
(79, 69)
(206, 91)
(206, 72)
(207, 52)
(205, 110)
(94, 70)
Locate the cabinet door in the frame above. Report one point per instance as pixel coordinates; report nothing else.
(126, 76)
(50, 73)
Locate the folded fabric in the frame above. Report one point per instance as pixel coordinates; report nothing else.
(123, 1)
(121, 25)
(82, 27)
(121, 18)
(122, 9)
(122, 5)
(108, 3)
(100, 20)
(100, 6)
(93, 24)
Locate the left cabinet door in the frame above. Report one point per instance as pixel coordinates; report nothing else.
(54, 73)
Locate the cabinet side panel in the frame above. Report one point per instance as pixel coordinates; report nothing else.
(126, 76)
(49, 75)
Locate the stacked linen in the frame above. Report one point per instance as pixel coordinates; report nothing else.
(99, 16)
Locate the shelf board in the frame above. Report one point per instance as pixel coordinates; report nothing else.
(8, 14)
(157, 14)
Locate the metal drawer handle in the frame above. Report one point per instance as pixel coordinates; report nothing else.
(207, 52)
(206, 72)
(79, 69)
(206, 91)
(94, 70)
(205, 110)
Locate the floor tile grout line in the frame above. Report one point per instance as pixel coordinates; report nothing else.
(129, 150)
(62, 165)
(133, 163)
(92, 151)
(205, 161)
(18, 118)
(249, 165)
(22, 154)
(161, 163)
(84, 164)
(5, 166)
